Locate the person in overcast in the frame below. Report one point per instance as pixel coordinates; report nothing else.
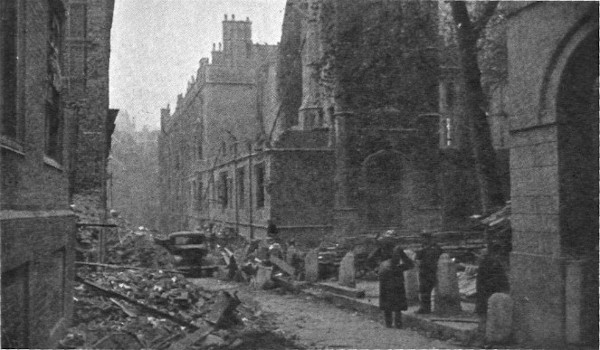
(427, 259)
(392, 294)
(272, 230)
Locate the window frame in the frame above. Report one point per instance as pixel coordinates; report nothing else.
(13, 141)
(241, 186)
(54, 117)
(260, 176)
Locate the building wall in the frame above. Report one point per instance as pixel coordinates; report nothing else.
(36, 223)
(551, 279)
(37, 166)
(220, 113)
(87, 55)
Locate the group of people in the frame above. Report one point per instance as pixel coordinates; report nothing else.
(392, 294)
(491, 278)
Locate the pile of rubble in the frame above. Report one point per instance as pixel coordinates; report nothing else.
(140, 309)
(124, 245)
(135, 300)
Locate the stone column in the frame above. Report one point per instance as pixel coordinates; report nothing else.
(346, 214)
(311, 113)
(411, 281)
(347, 273)
(447, 294)
(311, 266)
(498, 327)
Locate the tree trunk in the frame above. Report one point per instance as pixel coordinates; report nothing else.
(475, 107)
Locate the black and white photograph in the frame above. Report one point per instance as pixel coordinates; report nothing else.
(299, 174)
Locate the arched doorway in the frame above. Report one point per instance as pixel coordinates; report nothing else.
(381, 189)
(578, 135)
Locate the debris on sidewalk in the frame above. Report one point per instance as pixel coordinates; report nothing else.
(159, 310)
(136, 299)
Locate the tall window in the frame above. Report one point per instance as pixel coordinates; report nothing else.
(193, 195)
(8, 67)
(223, 190)
(199, 148)
(199, 196)
(77, 21)
(450, 95)
(260, 185)
(54, 119)
(241, 189)
(77, 49)
(229, 191)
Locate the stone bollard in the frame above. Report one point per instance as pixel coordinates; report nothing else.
(311, 266)
(411, 281)
(347, 273)
(446, 293)
(498, 325)
(263, 276)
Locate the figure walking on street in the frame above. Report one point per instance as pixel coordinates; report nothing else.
(427, 259)
(392, 294)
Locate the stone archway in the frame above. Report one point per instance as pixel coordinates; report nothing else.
(577, 115)
(578, 135)
(553, 74)
(381, 188)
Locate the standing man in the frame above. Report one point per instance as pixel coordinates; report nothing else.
(491, 278)
(392, 295)
(427, 259)
(272, 230)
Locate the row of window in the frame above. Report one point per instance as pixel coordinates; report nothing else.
(223, 190)
(225, 187)
(12, 46)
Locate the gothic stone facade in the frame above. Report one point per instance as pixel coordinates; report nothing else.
(217, 161)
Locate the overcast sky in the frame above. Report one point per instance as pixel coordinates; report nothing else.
(157, 44)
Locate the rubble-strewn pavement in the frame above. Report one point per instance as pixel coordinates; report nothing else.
(316, 324)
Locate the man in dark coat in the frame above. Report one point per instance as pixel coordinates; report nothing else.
(428, 258)
(392, 295)
(491, 278)
(272, 230)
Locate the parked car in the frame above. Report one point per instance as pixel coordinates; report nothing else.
(188, 249)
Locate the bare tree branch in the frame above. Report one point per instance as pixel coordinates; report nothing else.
(488, 12)
(460, 15)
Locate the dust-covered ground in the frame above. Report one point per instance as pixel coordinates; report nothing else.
(315, 324)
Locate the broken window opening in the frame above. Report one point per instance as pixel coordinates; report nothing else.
(260, 185)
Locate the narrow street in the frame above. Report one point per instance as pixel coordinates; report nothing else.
(286, 174)
(316, 324)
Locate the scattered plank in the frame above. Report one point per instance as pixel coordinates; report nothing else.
(144, 307)
(164, 342)
(283, 265)
(222, 308)
(342, 290)
(188, 341)
(126, 310)
(121, 266)
(288, 285)
(118, 341)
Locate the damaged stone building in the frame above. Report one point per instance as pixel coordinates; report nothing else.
(310, 136)
(217, 162)
(54, 72)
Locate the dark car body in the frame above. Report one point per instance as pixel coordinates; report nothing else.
(188, 249)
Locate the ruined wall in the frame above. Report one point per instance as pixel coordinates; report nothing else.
(220, 113)
(87, 57)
